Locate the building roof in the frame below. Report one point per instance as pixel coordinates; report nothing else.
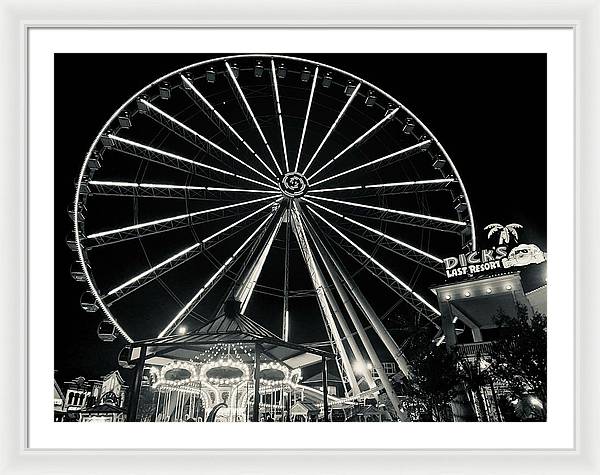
(58, 394)
(333, 376)
(233, 327)
(103, 408)
(117, 374)
(304, 407)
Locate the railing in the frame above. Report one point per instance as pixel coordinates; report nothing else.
(472, 349)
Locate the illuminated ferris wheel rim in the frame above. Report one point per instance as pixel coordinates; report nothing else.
(285, 189)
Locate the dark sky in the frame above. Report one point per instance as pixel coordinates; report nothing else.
(488, 111)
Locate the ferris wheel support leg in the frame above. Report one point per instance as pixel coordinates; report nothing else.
(137, 386)
(347, 332)
(244, 291)
(325, 389)
(216, 277)
(372, 354)
(352, 313)
(319, 285)
(374, 320)
(286, 281)
(255, 405)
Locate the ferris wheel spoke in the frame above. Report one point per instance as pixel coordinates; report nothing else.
(211, 108)
(163, 190)
(310, 101)
(406, 217)
(333, 126)
(383, 273)
(193, 137)
(405, 153)
(418, 186)
(362, 138)
(279, 114)
(191, 304)
(394, 245)
(155, 272)
(152, 154)
(164, 224)
(240, 93)
(233, 225)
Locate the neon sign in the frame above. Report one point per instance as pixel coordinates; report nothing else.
(485, 260)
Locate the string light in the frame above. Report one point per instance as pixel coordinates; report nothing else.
(289, 378)
(224, 364)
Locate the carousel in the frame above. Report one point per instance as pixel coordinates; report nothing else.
(230, 370)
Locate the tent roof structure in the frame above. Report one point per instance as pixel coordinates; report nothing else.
(231, 327)
(103, 409)
(304, 407)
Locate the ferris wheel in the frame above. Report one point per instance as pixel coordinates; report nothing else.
(201, 178)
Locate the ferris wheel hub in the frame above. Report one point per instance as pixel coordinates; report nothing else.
(293, 185)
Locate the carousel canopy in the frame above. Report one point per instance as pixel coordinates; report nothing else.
(230, 327)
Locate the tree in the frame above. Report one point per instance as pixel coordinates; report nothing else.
(518, 359)
(436, 380)
(475, 374)
(505, 231)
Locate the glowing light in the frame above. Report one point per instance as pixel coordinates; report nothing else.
(333, 126)
(239, 221)
(360, 368)
(377, 263)
(162, 381)
(379, 233)
(387, 117)
(387, 210)
(181, 330)
(187, 160)
(227, 363)
(386, 157)
(455, 319)
(204, 139)
(152, 269)
(173, 218)
(113, 183)
(290, 378)
(222, 119)
(386, 185)
(310, 99)
(279, 115)
(182, 313)
(509, 287)
(448, 297)
(488, 290)
(249, 109)
(467, 294)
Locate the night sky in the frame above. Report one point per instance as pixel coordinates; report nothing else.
(488, 111)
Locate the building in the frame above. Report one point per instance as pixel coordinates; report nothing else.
(95, 400)
(59, 403)
(468, 323)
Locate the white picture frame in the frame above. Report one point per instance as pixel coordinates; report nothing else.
(19, 18)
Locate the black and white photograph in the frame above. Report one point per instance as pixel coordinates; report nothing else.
(332, 237)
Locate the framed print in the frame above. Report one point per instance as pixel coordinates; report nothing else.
(365, 234)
